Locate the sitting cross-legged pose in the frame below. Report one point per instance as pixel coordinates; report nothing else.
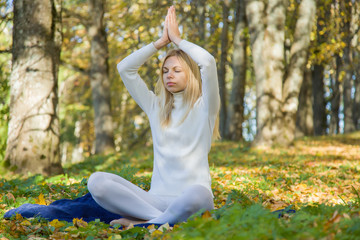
(183, 120)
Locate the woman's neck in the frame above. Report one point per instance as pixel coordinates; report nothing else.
(178, 99)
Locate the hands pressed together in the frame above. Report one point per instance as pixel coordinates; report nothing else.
(171, 31)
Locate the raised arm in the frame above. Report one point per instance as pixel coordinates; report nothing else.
(129, 66)
(128, 70)
(206, 62)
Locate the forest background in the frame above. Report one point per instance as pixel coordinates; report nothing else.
(287, 70)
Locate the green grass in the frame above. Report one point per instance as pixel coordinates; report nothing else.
(318, 177)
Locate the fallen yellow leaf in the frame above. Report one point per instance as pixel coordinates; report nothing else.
(40, 200)
(206, 214)
(79, 223)
(25, 223)
(156, 233)
(56, 223)
(70, 229)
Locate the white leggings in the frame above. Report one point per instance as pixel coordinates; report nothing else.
(120, 196)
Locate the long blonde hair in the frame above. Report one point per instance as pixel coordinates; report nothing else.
(192, 92)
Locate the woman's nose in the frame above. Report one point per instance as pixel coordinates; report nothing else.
(170, 74)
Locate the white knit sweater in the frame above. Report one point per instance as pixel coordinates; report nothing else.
(180, 150)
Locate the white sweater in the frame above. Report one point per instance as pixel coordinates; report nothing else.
(180, 151)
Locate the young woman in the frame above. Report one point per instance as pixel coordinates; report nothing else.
(182, 118)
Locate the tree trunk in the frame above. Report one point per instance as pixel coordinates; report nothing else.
(268, 70)
(100, 82)
(201, 10)
(276, 98)
(348, 69)
(356, 57)
(335, 100)
(304, 115)
(255, 15)
(235, 116)
(33, 134)
(222, 67)
(356, 106)
(296, 69)
(319, 103)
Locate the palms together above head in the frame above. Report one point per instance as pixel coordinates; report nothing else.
(171, 31)
(172, 26)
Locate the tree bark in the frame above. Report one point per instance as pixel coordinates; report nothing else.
(33, 133)
(235, 116)
(269, 83)
(319, 103)
(100, 82)
(255, 15)
(201, 10)
(222, 67)
(348, 69)
(277, 96)
(356, 106)
(356, 57)
(304, 115)
(296, 69)
(334, 127)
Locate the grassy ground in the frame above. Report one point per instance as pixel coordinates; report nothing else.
(317, 177)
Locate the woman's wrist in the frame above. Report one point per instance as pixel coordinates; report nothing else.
(160, 43)
(177, 40)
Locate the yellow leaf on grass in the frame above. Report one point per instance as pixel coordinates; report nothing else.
(79, 223)
(40, 200)
(156, 233)
(18, 217)
(115, 237)
(56, 223)
(206, 214)
(25, 223)
(70, 229)
(151, 227)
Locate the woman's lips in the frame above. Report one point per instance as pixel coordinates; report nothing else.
(170, 84)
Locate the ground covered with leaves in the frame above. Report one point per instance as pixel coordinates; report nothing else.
(317, 177)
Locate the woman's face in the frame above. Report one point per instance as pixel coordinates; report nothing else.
(174, 76)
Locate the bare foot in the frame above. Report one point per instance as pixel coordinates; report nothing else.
(126, 222)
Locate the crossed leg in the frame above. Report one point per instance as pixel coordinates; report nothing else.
(120, 196)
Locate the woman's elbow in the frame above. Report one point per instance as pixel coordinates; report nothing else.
(121, 67)
(210, 61)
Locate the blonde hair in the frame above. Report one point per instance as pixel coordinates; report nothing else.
(192, 92)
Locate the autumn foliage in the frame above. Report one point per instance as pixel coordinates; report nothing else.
(317, 177)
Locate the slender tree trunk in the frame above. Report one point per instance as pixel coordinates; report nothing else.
(296, 69)
(33, 134)
(335, 100)
(319, 103)
(100, 82)
(348, 69)
(304, 115)
(356, 106)
(222, 67)
(201, 9)
(235, 116)
(255, 14)
(356, 63)
(213, 28)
